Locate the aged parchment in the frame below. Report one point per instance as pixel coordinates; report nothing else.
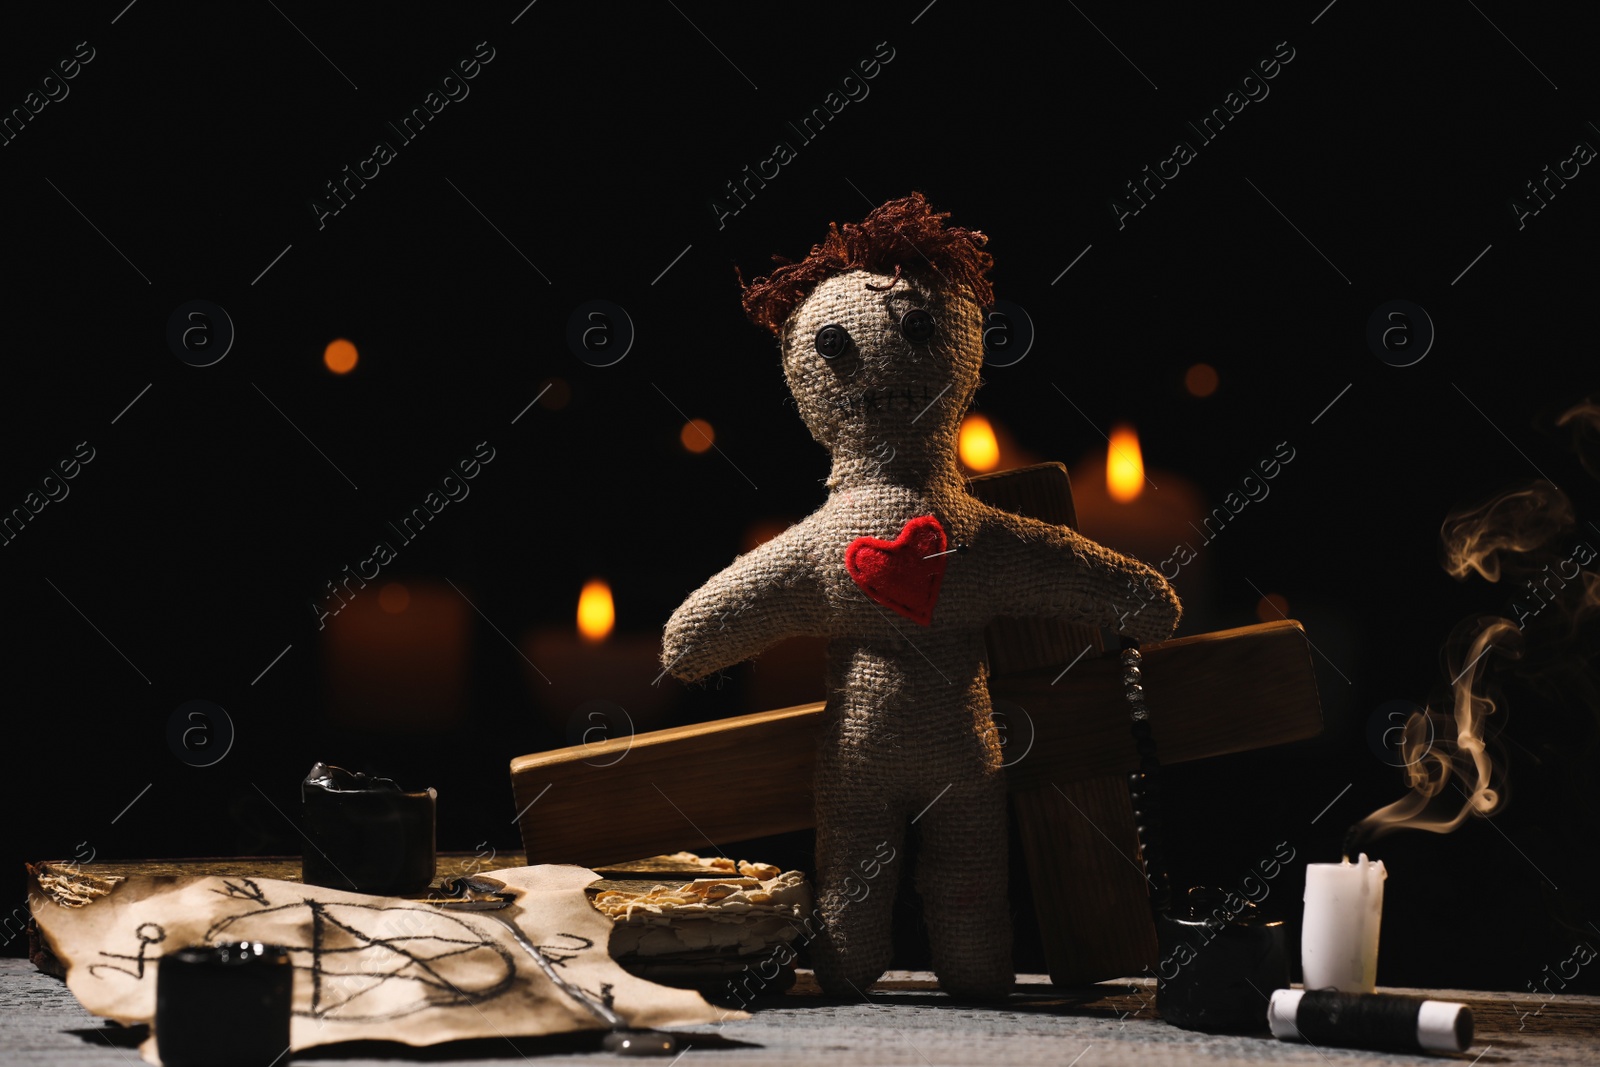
(366, 967)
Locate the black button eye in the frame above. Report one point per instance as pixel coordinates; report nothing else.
(917, 326)
(832, 341)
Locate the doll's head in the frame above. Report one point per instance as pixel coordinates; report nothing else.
(881, 328)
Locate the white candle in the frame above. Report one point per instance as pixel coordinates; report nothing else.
(1339, 938)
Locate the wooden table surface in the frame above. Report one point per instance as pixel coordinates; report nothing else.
(904, 1020)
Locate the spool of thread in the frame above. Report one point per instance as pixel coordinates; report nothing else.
(1380, 1021)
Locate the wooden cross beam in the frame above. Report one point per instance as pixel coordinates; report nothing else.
(749, 776)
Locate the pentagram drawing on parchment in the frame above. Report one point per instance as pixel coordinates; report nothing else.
(355, 950)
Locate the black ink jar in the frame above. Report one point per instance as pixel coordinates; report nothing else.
(365, 834)
(1220, 961)
(224, 1005)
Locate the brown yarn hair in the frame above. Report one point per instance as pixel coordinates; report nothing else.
(905, 236)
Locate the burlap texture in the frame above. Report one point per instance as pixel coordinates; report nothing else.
(909, 734)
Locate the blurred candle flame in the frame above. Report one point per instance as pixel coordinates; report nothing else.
(596, 612)
(979, 449)
(1124, 466)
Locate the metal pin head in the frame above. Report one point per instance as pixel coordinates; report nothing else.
(640, 1043)
(471, 893)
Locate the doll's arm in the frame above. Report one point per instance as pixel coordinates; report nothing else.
(758, 600)
(1041, 569)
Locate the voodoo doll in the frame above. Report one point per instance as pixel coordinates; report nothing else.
(881, 330)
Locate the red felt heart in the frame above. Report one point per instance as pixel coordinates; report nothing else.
(903, 575)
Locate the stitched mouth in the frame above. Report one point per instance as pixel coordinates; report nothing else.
(915, 397)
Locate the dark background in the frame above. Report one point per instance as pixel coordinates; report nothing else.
(191, 548)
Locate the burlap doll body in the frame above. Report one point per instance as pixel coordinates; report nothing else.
(901, 568)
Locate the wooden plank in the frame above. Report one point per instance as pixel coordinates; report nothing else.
(688, 787)
(750, 776)
(1209, 695)
(1042, 491)
(1078, 838)
(1092, 901)
(282, 868)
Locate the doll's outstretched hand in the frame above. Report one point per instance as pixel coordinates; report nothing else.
(1151, 609)
(758, 600)
(1040, 569)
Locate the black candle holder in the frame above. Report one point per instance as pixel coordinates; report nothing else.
(224, 1005)
(1220, 962)
(365, 833)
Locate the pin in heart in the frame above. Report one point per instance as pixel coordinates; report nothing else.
(903, 575)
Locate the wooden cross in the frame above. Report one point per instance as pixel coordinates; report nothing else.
(749, 776)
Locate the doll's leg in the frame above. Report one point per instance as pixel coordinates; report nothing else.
(961, 876)
(859, 847)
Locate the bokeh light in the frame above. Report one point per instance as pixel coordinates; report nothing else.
(596, 612)
(978, 447)
(697, 435)
(340, 356)
(556, 395)
(1124, 465)
(1272, 607)
(1201, 379)
(394, 598)
(761, 531)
